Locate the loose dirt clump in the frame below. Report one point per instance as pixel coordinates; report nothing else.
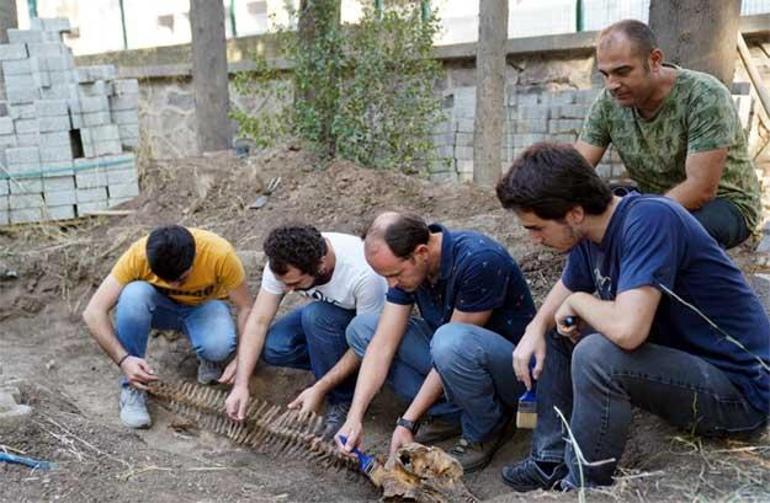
(48, 272)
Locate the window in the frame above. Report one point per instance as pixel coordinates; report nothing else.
(166, 21)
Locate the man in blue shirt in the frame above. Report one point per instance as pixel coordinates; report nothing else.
(474, 304)
(674, 328)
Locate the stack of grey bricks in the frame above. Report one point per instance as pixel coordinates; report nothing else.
(531, 117)
(67, 133)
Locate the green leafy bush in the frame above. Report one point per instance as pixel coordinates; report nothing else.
(363, 92)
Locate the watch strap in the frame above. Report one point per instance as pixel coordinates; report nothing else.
(408, 424)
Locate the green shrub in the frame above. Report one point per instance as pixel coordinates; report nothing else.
(363, 92)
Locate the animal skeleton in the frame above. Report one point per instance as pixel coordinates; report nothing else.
(416, 472)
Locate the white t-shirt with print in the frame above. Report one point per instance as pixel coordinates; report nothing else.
(353, 285)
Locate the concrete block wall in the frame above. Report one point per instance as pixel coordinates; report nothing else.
(67, 133)
(531, 117)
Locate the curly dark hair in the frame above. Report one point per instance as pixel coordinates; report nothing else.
(296, 245)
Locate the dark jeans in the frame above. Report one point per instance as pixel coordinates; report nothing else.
(312, 337)
(720, 217)
(607, 380)
(724, 222)
(475, 365)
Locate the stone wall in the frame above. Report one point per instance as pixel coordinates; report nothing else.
(167, 118)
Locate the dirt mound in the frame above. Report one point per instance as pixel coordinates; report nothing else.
(48, 272)
(65, 261)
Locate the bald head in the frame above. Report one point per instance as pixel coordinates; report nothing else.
(629, 31)
(400, 232)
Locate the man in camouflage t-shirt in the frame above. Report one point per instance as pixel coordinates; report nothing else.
(676, 130)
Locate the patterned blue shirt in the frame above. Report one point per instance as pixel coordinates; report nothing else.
(477, 274)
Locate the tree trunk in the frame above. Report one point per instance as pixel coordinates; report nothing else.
(698, 34)
(490, 91)
(210, 78)
(316, 85)
(8, 19)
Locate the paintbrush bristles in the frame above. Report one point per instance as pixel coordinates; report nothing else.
(526, 420)
(526, 414)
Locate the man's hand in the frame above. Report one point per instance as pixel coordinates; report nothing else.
(353, 431)
(236, 403)
(401, 436)
(310, 399)
(138, 372)
(532, 343)
(228, 375)
(567, 327)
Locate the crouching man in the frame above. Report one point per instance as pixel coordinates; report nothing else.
(675, 328)
(174, 279)
(454, 362)
(330, 269)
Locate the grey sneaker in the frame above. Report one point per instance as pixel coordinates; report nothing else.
(208, 372)
(133, 408)
(335, 418)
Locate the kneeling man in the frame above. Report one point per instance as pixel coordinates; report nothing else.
(330, 269)
(674, 328)
(474, 305)
(174, 279)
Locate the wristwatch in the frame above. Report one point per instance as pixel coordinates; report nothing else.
(406, 423)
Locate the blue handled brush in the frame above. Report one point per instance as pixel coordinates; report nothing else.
(526, 413)
(21, 460)
(365, 462)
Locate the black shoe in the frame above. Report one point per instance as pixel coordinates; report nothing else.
(529, 476)
(434, 430)
(474, 456)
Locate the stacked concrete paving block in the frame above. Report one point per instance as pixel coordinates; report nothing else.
(66, 133)
(531, 117)
(124, 106)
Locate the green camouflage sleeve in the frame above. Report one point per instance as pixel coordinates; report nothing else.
(712, 121)
(596, 124)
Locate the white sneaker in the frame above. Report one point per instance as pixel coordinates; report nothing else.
(133, 408)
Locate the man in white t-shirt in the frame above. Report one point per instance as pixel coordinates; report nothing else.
(331, 269)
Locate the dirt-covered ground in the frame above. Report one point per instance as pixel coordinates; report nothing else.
(72, 387)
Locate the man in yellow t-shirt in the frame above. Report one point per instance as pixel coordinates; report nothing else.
(173, 279)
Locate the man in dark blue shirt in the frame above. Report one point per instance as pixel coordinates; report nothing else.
(673, 329)
(474, 304)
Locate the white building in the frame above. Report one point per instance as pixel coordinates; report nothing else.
(153, 23)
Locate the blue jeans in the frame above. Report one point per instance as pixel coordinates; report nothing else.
(141, 307)
(475, 365)
(312, 337)
(594, 383)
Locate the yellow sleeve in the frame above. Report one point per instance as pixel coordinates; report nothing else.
(130, 266)
(231, 273)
